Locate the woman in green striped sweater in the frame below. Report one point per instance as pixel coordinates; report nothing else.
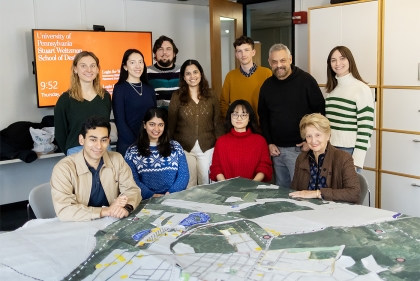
(349, 105)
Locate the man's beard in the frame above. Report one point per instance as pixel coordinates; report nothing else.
(277, 72)
(167, 63)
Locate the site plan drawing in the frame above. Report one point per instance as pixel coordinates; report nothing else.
(231, 230)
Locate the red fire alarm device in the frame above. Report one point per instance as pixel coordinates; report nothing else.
(300, 17)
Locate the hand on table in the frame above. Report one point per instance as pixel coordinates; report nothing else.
(160, 195)
(120, 201)
(220, 177)
(116, 209)
(305, 194)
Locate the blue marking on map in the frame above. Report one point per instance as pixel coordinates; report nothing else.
(396, 215)
(195, 218)
(139, 235)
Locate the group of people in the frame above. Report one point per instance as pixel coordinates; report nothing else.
(174, 133)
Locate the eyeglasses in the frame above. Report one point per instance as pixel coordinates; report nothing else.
(236, 115)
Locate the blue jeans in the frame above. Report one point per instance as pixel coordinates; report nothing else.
(284, 165)
(349, 150)
(76, 149)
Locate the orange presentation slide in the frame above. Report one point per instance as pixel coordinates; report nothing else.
(54, 51)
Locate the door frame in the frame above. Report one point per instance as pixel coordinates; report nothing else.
(227, 9)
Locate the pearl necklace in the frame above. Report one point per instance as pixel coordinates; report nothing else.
(133, 86)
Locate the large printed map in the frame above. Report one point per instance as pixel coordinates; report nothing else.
(240, 230)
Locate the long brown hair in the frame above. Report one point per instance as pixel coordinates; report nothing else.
(345, 52)
(75, 90)
(184, 91)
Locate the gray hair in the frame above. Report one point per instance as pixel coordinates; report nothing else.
(279, 47)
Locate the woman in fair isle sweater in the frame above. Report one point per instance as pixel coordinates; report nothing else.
(158, 164)
(349, 105)
(241, 152)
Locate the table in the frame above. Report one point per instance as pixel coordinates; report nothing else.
(259, 234)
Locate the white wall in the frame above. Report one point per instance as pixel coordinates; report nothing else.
(301, 33)
(188, 25)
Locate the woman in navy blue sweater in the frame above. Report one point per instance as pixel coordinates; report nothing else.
(131, 97)
(158, 164)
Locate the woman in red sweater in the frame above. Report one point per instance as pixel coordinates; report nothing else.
(241, 152)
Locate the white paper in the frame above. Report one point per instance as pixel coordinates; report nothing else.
(233, 199)
(371, 264)
(271, 186)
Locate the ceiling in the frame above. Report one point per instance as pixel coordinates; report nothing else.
(270, 14)
(263, 15)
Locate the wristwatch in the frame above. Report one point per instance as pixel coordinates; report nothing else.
(129, 208)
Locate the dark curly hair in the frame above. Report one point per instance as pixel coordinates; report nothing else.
(184, 92)
(159, 42)
(243, 40)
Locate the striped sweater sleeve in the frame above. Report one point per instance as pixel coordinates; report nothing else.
(351, 116)
(365, 117)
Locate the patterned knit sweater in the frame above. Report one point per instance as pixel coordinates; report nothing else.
(155, 174)
(165, 81)
(195, 121)
(241, 154)
(349, 107)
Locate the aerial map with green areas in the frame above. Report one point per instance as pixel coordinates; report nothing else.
(244, 230)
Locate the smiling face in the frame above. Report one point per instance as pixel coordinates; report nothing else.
(86, 69)
(154, 128)
(244, 53)
(239, 118)
(280, 63)
(192, 76)
(134, 66)
(165, 55)
(316, 139)
(94, 144)
(339, 64)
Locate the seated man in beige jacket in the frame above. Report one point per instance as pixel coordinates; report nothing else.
(94, 182)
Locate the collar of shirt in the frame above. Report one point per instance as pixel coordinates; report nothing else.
(93, 170)
(316, 181)
(251, 70)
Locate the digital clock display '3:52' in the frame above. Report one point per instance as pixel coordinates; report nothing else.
(49, 85)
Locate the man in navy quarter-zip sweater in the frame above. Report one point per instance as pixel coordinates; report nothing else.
(285, 98)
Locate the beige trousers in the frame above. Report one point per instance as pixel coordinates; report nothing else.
(198, 165)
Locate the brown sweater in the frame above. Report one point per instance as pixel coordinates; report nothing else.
(338, 169)
(192, 122)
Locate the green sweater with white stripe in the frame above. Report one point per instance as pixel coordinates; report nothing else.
(349, 107)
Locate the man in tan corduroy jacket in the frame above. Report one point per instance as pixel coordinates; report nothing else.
(94, 182)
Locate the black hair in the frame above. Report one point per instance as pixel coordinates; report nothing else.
(143, 142)
(252, 124)
(159, 42)
(124, 73)
(93, 122)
